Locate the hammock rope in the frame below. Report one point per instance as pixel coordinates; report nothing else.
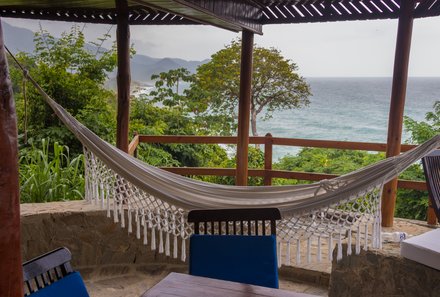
(315, 216)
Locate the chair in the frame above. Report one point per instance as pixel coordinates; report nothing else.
(235, 244)
(431, 168)
(51, 275)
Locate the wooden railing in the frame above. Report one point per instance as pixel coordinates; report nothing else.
(267, 172)
(268, 141)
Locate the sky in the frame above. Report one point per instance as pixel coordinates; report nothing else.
(339, 49)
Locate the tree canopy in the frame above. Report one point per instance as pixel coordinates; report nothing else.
(275, 83)
(422, 131)
(72, 73)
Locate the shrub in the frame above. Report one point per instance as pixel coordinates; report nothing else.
(50, 174)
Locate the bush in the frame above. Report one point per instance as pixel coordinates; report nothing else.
(50, 174)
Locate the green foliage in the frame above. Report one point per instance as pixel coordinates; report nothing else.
(331, 161)
(172, 92)
(255, 161)
(275, 83)
(74, 77)
(150, 119)
(410, 203)
(50, 174)
(422, 131)
(167, 89)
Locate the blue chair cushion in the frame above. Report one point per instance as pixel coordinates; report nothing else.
(71, 285)
(244, 259)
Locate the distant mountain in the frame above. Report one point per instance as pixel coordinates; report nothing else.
(18, 39)
(142, 66)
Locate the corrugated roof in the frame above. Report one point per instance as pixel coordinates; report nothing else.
(230, 14)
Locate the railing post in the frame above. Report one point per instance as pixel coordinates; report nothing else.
(135, 153)
(268, 145)
(432, 218)
(398, 94)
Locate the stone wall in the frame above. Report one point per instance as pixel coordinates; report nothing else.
(381, 273)
(98, 245)
(102, 248)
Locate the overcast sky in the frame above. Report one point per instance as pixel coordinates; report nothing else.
(342, 49)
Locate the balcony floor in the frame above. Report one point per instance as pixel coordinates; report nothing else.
(133, 285)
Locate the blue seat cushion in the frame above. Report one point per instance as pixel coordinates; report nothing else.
(244, 259)
(71, 285)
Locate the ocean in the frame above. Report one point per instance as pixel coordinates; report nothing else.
(351, 109)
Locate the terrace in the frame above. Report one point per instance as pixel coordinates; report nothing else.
(100, 263)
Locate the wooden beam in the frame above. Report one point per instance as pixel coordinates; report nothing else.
(11, 275)
(336, 144)
(123, 76)
(234, 15)
(244, 107)
(398, 94)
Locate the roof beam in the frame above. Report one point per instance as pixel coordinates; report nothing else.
(227, 14)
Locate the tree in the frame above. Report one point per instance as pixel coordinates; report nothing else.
(74, 76)
(168, 89)
(422, 131)
(275, 83)
(176, 90)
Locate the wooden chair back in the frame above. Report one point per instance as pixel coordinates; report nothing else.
(250, 221)
(46, 269)
(431, 168)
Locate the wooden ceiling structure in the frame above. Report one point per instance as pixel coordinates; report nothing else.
(248, 16)
(229, 14)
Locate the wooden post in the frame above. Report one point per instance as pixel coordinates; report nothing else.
(431, 216)
(11, 275)
(268, 146)
(244, 108)
(123, 76)
(398, 93)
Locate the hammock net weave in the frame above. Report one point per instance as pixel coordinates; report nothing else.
(154, 203)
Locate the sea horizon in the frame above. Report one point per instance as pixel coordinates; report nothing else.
(349, 109)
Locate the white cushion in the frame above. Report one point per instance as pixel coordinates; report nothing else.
(424, 248)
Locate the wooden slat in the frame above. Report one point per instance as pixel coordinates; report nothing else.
(188, 139)
(307, 176)
(310, 176)
(201, 171)
(133, 145)
(348, 145)
(412, 185)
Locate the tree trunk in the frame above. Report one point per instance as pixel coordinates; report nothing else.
(254, 124)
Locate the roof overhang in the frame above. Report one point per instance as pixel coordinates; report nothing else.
(235, 15)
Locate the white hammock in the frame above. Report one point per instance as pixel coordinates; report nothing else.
(314, 216)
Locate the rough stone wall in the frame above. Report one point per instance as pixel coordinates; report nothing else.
(98, 245)
(102, 248)
(381, 273)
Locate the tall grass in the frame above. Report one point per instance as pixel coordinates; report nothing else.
(50, 174)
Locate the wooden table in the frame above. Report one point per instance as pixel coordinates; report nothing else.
(184, 285)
